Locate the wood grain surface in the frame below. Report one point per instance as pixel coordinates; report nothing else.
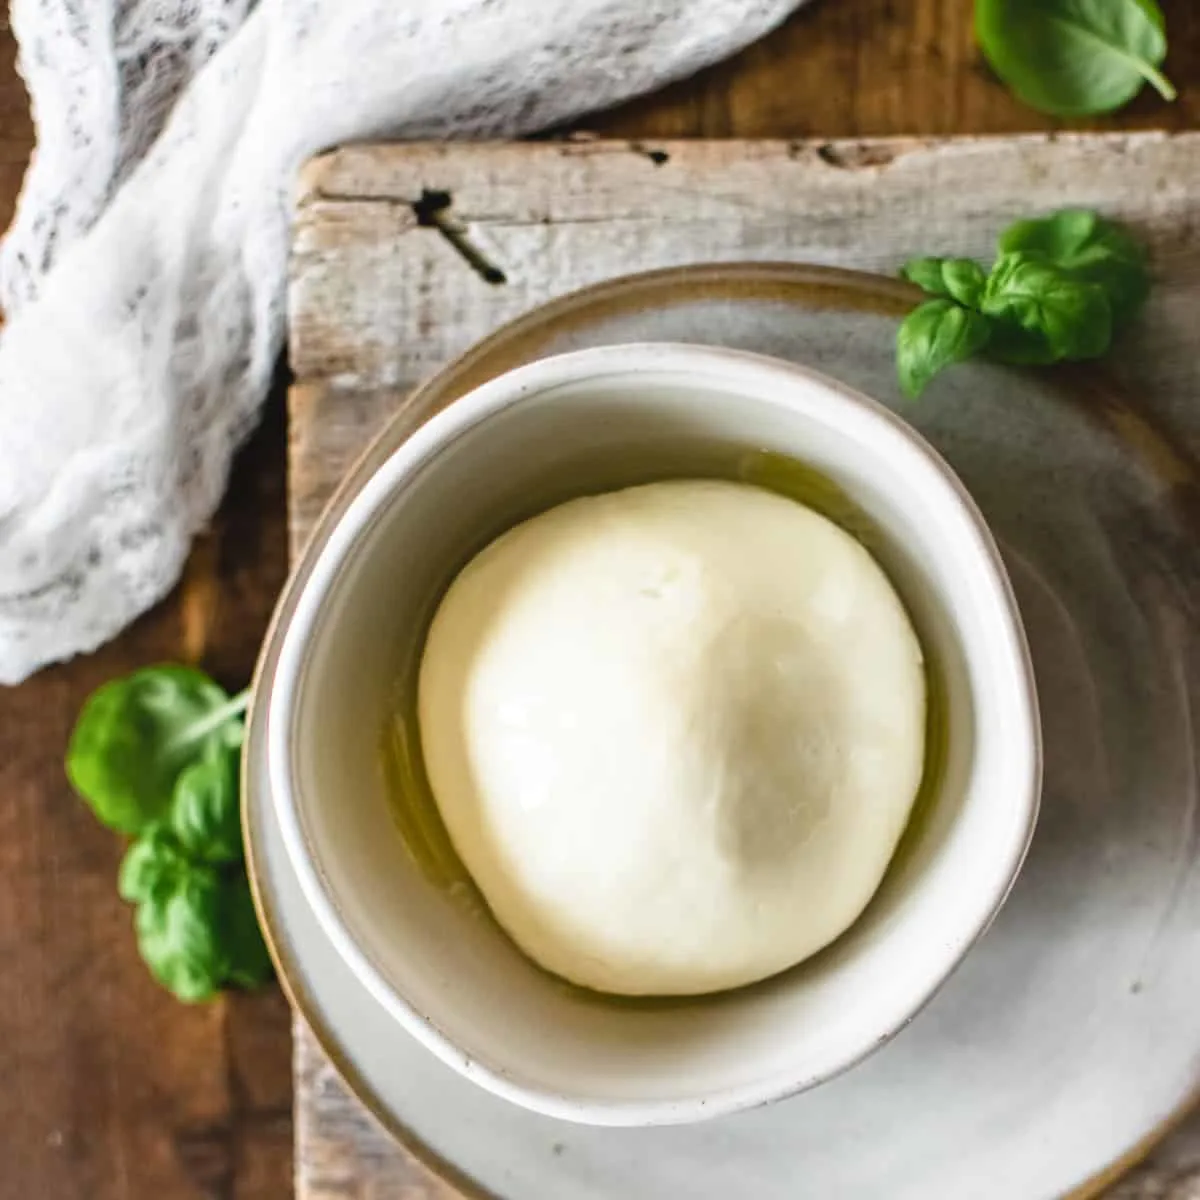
(112, 1090)
(381, 297)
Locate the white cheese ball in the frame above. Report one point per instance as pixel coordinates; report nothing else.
(674, 732)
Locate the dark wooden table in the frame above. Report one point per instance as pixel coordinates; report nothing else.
(110, 1088)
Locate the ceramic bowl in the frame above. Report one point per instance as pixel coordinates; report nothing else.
(590, 421)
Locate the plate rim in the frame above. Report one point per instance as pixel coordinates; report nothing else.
(858, 290)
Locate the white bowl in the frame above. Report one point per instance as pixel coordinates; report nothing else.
(590, 421)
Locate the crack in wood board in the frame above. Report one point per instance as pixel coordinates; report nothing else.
(434, 210)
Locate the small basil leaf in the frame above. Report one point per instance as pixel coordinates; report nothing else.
(134, 736)
(960, 279)
(934, 336)
(926, 273)
(1075, 57)
(1089, 248)
(152, 867)
(1060, 317)
(1060, 237)
(205, 811)
(178, 935)
(248, 964)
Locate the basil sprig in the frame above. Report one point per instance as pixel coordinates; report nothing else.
(1059, 290)
(156, 756)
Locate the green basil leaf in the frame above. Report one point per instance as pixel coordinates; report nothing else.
(135, 735)
(1057, 316)
(1075, 57)
(178, 935)
(152, 868)
(934, 336)
(960, 279)
(205, 813)
(1090, 248)
(248, 964)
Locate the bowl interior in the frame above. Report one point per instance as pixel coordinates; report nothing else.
(440, 962)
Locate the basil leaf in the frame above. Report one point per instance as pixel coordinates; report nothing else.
(1051, 315)
(135, 735)
(247, 962)
(152, 867)
(178, 935)
(960, 279)
(934, 336)
(1090, 248)
(1075, 57)
(205, 813)
(196, 925)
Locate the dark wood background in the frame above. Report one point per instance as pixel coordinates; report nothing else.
(108, 1088)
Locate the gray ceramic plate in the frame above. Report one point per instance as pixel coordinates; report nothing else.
(1071, 1035)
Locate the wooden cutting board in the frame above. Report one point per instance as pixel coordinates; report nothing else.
(403, 256)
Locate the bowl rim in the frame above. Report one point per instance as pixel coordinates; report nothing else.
(736, 370)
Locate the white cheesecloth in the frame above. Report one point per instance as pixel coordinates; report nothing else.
(143, 279)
